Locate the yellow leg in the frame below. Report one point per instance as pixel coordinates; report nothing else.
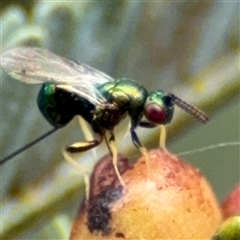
(128, 130)
(86, 132)
(163, 136)
(81, 169)
(146, 156)
(79, 147)
(142, 149)
(107, 142)
(113, 149)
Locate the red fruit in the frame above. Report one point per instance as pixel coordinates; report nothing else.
(173, 202)
(231, 206)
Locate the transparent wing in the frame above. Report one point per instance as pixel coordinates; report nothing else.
(36, 65)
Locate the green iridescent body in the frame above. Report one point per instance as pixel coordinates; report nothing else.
(127, 96)
(71, 88)
(59, 106)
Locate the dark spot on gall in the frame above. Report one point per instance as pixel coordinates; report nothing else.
(105, 189)
(99, 214)
(119, 235)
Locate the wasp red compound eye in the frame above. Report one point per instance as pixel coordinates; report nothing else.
(154, 113)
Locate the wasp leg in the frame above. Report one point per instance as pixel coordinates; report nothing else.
(128, 127)
(113, 150)
(82, 170)
(142, 149)
(162, 137)
(107, 142)
(86, 132)
(77, 148)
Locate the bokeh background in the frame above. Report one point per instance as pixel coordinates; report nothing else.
(189, 48)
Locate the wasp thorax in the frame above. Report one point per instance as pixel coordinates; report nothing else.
(159, 108)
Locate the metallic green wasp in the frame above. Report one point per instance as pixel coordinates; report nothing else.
(70, 89)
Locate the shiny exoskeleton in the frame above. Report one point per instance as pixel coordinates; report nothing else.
(124, 97)
(70, 89)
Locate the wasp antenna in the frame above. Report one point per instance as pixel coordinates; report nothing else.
(27, 146)
(195, 112)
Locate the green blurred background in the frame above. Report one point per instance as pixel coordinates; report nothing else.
(191, 49)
